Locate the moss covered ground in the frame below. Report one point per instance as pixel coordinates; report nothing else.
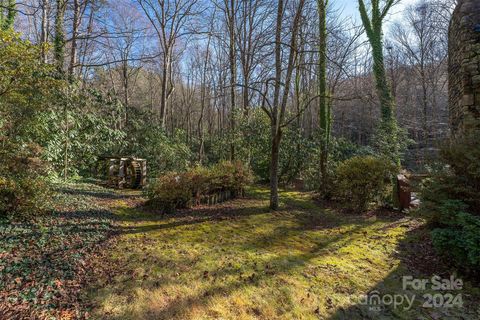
(238, 260)
(103, 255)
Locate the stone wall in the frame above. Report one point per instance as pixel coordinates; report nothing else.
(464, 64)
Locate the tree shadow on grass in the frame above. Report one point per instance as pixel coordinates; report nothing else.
(198, 215)
(100, 194)
(309, 219)
(414, 251)
(274, 268)
(412, 264)
(418, 260)
(93, 219)
(306, 218)
(179, 308)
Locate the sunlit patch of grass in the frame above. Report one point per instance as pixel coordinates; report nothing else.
(238, 260)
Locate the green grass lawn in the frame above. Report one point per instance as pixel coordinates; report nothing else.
(238, 260)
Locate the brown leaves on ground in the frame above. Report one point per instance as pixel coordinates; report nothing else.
(45, 264)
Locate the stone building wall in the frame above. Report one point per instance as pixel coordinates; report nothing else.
(464, 64)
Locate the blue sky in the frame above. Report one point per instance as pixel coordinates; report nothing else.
(350, 8)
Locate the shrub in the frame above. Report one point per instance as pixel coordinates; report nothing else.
(91, 132)
(451, 202)
(28, 88)
(340, 149)
(222, 177)
(23, 197)
(163, 152)
(199, 181)
(242, 177)
(361, 180)
(24, 192)
(232, 176)
(177, 190)
(170, 191)
(459, 237)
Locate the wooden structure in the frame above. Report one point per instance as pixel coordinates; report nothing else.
(404, 192)
(406, 189)
(123, 172)
(214, 198)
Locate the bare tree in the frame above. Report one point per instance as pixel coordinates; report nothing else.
(231, 11)
(169, 19)
(420, 39)
(45, 26)
(276, 106)
(252, 30)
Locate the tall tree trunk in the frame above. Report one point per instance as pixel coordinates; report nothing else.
(126, 88)
(164, 88)
(278, 108)
(324, 104)
(246, 92)
(67, 140)
(388, 130)
(201, 129)
(275, 126)
(73, 49)
(423, 78)
(233, 74)
(59, 42)
(274, 161)
(383, 90)
(44, 32)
